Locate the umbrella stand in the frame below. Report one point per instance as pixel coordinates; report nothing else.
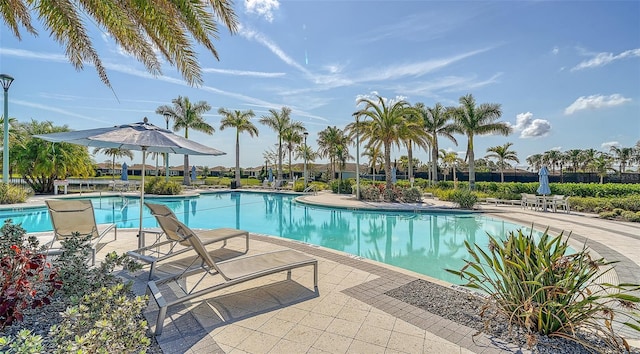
(140, 234)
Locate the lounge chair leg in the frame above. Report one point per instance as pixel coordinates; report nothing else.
(160, 322)
(315, 277)
(289, 274)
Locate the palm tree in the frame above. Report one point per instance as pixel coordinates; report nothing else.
(328, 141)
(502, 153)
(305, 153)
(387, 119)
(438, 121)
(187, 115)
(241, 120)
(587, 157)
(552, 158)
(114, 152)
(602, 164)
(279, 121)
(573, 157)
(623, 155)
(411, 133)
(293, 136)
(449, 161)
(535, 161)
(145, 29)
(473, 120)
(373, 152)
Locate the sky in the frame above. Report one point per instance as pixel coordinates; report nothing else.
(566, 73)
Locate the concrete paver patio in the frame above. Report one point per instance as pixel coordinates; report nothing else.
(351, 313)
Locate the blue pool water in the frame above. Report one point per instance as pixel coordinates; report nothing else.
(422, 242)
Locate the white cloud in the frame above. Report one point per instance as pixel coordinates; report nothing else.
(604, 58)
(243, 73)
(555, 50)
(263, 8)
(531, 128)
(608, 144)
(595, 102)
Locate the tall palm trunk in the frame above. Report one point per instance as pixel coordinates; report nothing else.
(290, 170)
(434, 161)
(237, 158)
(279, 159)
(472, 165)
(410, 154)
(387, 164)
(186, 180)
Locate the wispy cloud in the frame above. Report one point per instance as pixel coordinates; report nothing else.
(50, 108)
(26, 54)
(444, 84)
(262, 8)
(531, 128)
(595, 102)
(555, 50)
(242, 73)
(604, 58)
(415, 69)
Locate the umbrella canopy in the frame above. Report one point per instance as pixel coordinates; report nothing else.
(124, 175)
(543, 177)
(142, 136)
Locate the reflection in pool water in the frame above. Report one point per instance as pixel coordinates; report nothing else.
(422, 242)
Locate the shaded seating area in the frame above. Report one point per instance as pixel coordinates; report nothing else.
(71, 217)
(174, 244)
(545, 202)
(212, 276)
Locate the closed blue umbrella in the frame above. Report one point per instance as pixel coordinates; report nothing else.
(124, 175)
(270, 175)
(393, 175)
(543, 177)
(193, 173)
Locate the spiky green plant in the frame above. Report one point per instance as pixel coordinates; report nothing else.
(544, 289)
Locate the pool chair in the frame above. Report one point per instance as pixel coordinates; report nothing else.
(560, 202)
(173, 244)
(218, 275)
(70, 216)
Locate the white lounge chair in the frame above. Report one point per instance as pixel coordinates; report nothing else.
(560, 202)
(229, 272)
(175, 244)
(71, 216)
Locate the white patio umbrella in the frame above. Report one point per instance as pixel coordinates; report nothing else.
(142, 136)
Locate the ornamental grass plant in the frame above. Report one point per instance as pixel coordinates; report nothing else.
(544, 289)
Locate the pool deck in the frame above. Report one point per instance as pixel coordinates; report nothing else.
(351, 313)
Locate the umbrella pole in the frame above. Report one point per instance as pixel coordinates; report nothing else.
(140, 234)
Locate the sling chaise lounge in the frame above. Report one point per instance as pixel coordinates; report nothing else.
(69, 216)
(176, 244)
(226, 273)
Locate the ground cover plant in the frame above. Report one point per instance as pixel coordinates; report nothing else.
(61, 305)
(546, 291)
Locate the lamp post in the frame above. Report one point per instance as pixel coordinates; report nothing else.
(306, 134)
(357, 115)
(167, 116)
(6, 82)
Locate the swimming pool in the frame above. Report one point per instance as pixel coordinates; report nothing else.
(422, 242)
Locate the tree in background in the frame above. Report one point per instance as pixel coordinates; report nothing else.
(144, 29)
(241, 120)
(292, 138)
(623, 155)
(472, 120)
(438, 122)
(187, 115)
(279, 122)
(40, 162)
(602, 164)
(502, 153)
(114, 152)
(450, 161)
(374, 153)
(387, 119)
(411, 133)
(328, 141)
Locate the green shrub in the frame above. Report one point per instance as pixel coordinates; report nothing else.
(11, 194)
(23, 343)
(412, 195)
(298, 186)
(544, 290)
(78, 279)
(465, 199)
(160, 186)
(630, 216)
(341, 187)
(105, 321)
(608, 215)
(370, 192)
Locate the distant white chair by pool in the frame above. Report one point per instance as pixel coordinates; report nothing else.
(560, 202)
